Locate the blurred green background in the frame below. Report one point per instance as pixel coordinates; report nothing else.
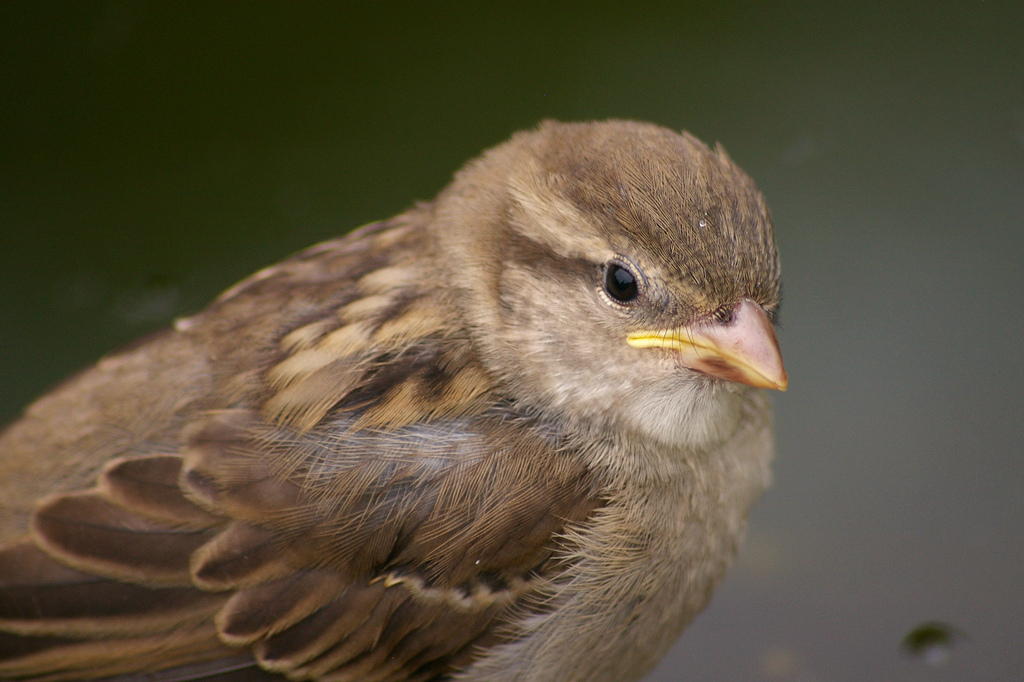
(152, 154)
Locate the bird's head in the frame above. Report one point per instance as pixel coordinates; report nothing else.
(619, 273)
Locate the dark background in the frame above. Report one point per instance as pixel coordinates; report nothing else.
(152, 154)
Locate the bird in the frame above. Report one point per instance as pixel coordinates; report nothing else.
(512, 433)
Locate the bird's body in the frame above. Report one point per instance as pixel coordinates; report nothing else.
(440, 446)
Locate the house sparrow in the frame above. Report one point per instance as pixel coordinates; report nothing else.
(511, 434)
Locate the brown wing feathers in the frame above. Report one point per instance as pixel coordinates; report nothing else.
(448, 502)
(365, 513)
(102, 584)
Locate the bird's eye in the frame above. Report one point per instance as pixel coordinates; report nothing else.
(724, 314)
(619, 282)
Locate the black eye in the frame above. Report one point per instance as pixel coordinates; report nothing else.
(619, 282)
(724, 314)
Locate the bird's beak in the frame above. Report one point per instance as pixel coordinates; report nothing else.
(744, 349)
